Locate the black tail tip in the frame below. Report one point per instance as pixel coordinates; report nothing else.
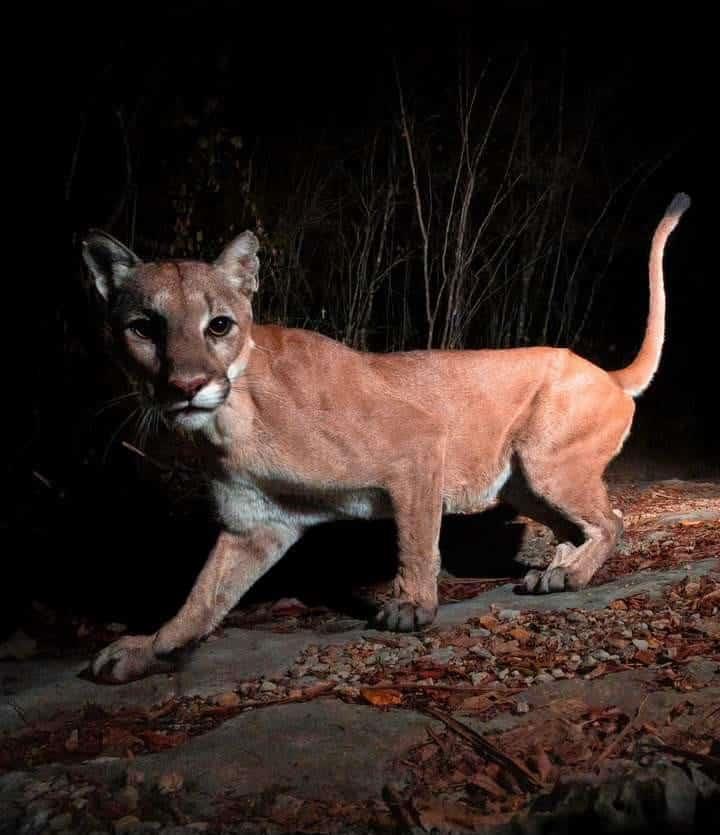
(678, 205)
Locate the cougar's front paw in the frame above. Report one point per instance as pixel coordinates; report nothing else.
(403, 616)
(129, 658)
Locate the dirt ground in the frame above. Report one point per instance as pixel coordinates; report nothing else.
(512, 713)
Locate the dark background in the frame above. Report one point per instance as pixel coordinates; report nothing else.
(121, 117)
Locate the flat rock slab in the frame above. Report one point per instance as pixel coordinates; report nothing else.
(38, 688)
(321, 749)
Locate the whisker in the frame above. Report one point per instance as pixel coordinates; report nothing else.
(114, 401)
(112, 440)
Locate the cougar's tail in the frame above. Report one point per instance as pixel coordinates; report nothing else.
(636, 377)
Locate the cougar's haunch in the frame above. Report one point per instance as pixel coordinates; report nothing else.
(299, 429)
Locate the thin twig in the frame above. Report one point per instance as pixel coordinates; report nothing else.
(616, 740)
(486, 748)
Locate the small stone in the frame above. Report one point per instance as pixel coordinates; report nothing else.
(522, 707)
(128, 798)
(480, 633)
(543, 678)
(316, 668)
(600, 655)
(503, 674)
(575, 617)
(126, 824)
(346, 690)
(558, 673)
(60, 822)
(84, 791)
(640, 644)
(509, 614)
(478, 678)
(36, 789)
(481, 651)
(442, 655)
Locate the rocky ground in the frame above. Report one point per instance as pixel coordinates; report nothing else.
(510, 714)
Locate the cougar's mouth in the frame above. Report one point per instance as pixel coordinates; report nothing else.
(194, 412)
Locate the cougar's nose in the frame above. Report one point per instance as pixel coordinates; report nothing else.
(189, 386)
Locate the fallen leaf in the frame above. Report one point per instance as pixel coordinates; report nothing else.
(288, 606)
(382, 698)
(118, 741)
(542, 764)
(170, 782)
(72, 743)
(476, 703)
(520, 634)
(489, 622)
(162, 741)
(487, 784)
(228, 699)
(644, 656)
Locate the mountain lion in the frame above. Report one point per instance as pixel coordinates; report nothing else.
(299, 430)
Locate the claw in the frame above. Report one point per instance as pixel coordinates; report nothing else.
(129, 658)
(403, 616)
(532, 580)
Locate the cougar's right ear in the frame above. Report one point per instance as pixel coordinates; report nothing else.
(109, 261)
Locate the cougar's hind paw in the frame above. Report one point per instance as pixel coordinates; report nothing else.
(403, 616)
(545, 582)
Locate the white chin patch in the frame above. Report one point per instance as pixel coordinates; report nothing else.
(193, 419)
(209, 397)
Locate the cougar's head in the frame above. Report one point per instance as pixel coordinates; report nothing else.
(182, 327)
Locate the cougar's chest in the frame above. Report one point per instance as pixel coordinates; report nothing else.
(243, 502)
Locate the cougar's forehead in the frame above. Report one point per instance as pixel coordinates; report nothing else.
(181, 290)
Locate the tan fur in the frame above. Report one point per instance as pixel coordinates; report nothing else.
(299, 429)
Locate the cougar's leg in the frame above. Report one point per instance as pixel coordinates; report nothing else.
(584, 501)
(417, 503)
(235, 563)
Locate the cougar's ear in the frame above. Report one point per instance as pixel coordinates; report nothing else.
(109, 261)
(240, 263)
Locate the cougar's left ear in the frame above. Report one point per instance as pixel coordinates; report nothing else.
(240, 263)
(109, 261)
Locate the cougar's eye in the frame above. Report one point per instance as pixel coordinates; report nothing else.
(220, 326)
(143, 328)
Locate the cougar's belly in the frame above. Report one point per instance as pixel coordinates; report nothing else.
(469, 497)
